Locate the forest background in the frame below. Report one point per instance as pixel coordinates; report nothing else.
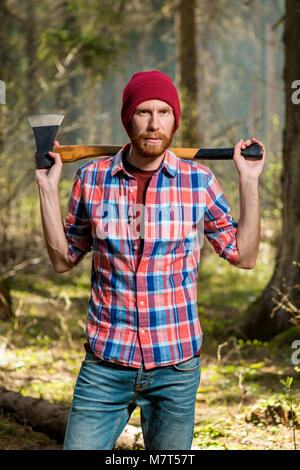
(234, 64)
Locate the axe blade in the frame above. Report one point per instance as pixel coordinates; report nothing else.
(45, 127)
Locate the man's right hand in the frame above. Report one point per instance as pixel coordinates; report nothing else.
(49, 177)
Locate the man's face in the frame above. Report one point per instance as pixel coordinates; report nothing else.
(152, 128)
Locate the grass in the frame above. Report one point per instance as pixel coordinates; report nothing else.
(42, 350)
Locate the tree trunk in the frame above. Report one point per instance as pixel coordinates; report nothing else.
(273, 139)
(51, 419)
(260, 323)
(3, 69)
(186, 63)
(33, 88)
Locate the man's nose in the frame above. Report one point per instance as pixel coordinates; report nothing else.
(153, 122)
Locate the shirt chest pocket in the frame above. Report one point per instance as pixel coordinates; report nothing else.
(110, 220)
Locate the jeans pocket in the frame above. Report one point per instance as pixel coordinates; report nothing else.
(90, 358)
(189, 365)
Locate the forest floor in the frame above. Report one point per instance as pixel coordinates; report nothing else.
(241, 401)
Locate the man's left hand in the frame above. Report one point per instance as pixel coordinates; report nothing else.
(249, 168)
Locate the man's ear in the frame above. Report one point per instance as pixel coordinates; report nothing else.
(129, 129)
(174, 127)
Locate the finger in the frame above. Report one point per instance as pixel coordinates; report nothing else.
(239, 143)
(238, 148)
(258, 142)
(248, 142)
(262, 146)
(56, 143)
(243, 144)
(56, 157)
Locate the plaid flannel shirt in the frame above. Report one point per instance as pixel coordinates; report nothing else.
(155, 304)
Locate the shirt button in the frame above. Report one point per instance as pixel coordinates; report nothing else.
(142, 302)
(131, 190)
(143, 331)
(135, 247)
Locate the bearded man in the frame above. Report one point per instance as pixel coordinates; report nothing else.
(138, 212)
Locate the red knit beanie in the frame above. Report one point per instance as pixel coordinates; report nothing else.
(144, 86)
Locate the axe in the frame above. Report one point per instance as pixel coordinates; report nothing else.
(45, 127)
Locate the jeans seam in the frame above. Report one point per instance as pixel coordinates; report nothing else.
(192, 435)
(91, 362)
(186, 370)
(116, 429)
(144, 424)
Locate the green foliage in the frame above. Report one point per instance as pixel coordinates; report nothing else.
(91, 50)
(287, 382)
(85, 35)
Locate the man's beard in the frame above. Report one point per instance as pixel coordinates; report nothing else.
(150, 149)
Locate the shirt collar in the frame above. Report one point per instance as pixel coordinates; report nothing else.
(169, 163)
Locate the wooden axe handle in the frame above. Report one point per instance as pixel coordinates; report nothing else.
(72, 153)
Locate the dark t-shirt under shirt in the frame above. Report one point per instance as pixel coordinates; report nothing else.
(143, 178)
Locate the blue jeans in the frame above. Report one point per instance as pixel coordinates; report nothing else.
(106, 394)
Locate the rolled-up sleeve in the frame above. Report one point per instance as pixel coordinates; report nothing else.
(77, 224)
(219, 226)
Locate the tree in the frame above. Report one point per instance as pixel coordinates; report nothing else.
(259, 322)
(186, 63)
(48, 62)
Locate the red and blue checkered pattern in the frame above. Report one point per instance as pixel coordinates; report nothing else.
(149, 310)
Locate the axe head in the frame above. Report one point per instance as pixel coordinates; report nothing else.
(45, 127)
